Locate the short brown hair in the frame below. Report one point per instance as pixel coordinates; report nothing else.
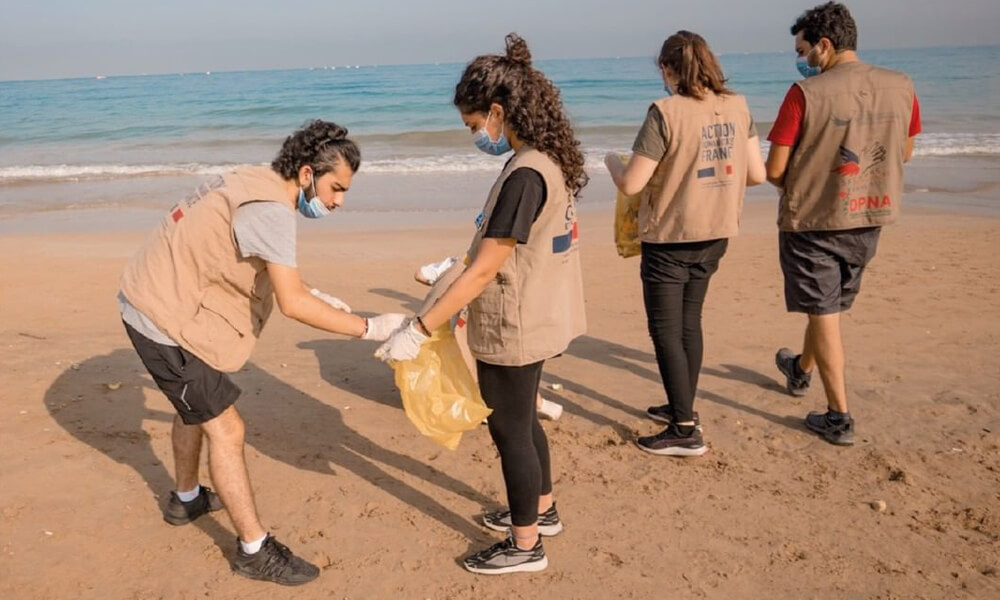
(687, 54)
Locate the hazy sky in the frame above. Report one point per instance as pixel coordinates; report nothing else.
(66, 38)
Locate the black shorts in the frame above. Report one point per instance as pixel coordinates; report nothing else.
(823, 268)
(197, 391)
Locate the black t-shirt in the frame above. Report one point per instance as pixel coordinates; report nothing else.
(521, 200)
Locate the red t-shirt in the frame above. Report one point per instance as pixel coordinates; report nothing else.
(788, 125)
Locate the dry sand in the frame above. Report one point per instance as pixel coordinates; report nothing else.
(771, 511)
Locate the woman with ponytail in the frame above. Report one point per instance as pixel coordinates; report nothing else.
(692, 160)
(523, 286)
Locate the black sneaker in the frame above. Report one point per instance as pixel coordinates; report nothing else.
(548, 522)
(274, 562)
(797, 380)
(664, 413)
(839, 432)
(182, 513)
(671, 442)
(505, 557)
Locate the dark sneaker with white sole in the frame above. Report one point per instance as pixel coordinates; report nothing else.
(664, 413)
(274, 562)
(835, 431)
(179, 512)
(796, 380)
(548, 522)
(671, 442)
(505, 557)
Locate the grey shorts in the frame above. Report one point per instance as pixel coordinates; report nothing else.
(823, 268)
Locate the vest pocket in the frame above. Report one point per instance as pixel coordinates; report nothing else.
(218, 326)
(486, 320)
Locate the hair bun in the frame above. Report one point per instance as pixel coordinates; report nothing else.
(517, 50)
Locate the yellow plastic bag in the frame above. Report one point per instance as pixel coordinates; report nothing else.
(627, 223)
(439, 395)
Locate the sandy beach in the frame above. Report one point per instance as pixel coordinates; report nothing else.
(343, 477)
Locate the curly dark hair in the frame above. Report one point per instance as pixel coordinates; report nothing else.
(687, 54)
(532, 105)
(831, 21)
(319, 144)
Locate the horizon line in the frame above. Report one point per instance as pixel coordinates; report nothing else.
(435, 63)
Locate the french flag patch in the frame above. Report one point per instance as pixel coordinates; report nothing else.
(709, 172)
(562, 243)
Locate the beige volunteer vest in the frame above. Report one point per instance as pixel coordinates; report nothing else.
(191, 281)
(847, 169)
(533, 309)
(696, 192)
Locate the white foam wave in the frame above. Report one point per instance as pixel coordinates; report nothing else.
(932, 144)
(63, 172)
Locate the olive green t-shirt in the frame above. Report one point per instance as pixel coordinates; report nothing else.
(654, 135)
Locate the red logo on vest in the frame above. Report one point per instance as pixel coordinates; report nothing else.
(177, 215)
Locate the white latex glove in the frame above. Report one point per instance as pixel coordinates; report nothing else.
(403, 345)
(332, 301)
(382, 326)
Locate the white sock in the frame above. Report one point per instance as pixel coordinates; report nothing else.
(254, 546)
(190, 494)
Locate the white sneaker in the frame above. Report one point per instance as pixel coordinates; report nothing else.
(550, 410)
(428, 274)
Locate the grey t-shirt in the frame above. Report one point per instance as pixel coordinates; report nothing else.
(654, 135)
(266, 230)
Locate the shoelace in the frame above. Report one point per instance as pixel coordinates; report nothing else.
(277, 561)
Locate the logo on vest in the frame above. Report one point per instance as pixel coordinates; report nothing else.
(563, 243)
(718, 142)
(862, 176)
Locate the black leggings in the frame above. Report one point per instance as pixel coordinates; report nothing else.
(674, 284)
(520, 439)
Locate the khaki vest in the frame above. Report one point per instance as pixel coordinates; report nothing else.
(191, 281)
(847, 169)
(534, 308)
(696, 192)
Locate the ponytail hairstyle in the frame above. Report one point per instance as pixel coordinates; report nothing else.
(319, 144)
(688, 56)
(532, 105)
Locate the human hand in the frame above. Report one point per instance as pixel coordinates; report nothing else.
(404, 344)
(331, 300)
(382, 326)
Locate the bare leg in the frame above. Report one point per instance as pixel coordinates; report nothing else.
(825, 348)
(229, 472)
(525, 537)
(187, 452)
(545, 502)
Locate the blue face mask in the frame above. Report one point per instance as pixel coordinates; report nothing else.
(802, 64)
(482, 141)
(312, 208)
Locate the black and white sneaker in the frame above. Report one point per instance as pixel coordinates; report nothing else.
(505, 557)
(836, 431)
(796, 380)
(664, 413)
(274, 562)
(179, 512)
(671, 442)
(548, 522)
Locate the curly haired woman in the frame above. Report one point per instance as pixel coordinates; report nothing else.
(195, 298)
(523, 286)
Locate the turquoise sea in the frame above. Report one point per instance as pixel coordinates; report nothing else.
(133, 129)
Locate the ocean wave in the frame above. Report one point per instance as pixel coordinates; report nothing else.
(68, 173)
(933, 144)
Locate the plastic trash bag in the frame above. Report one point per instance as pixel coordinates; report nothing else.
(627, 223)
(439, 395)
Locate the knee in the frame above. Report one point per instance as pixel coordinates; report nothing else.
(228, 427)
